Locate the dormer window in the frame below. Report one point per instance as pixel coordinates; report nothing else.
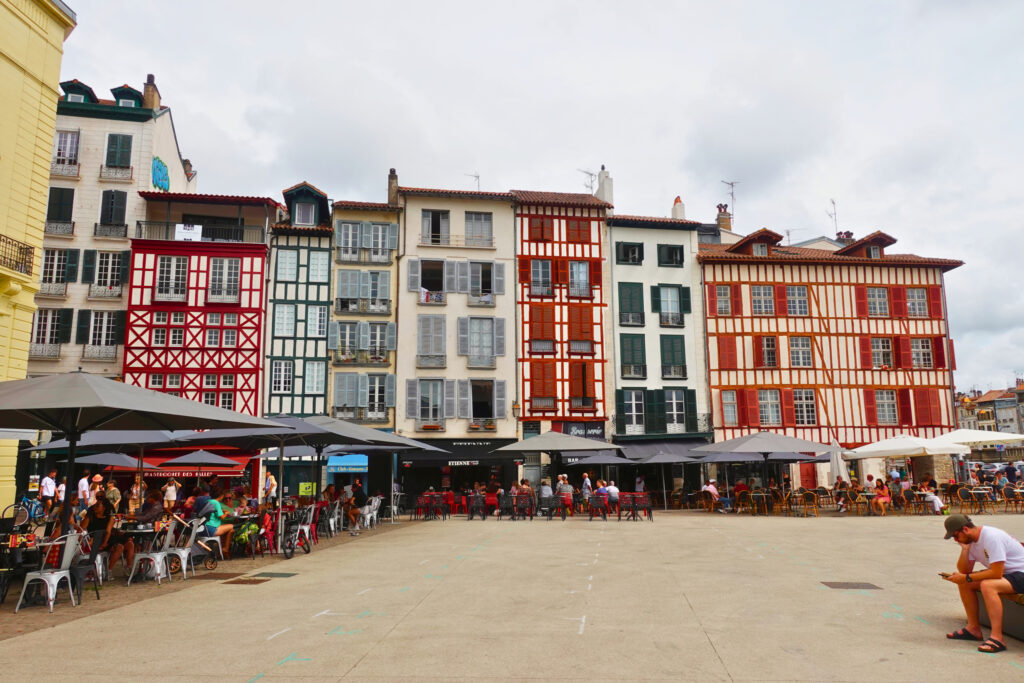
(125, 103)
(760, 249)
(304, 213)
(874, 251)
(76, 97)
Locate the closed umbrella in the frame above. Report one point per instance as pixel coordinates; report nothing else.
(836, 465)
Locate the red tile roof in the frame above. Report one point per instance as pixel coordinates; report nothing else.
(455, 194)
(786, 254)
(364, 206)
(322, 229)
(622, 219)
(877, 237)
(190, 198)
(993, 395)
(762, 235)
(572, 199)
(303, 184)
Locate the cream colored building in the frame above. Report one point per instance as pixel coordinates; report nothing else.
(105, 151)
(32, 35)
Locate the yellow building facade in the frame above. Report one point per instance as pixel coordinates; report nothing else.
(32, 35)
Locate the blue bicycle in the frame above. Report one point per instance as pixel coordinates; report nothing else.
(24, 511)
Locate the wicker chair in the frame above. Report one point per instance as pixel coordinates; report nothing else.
(1011, 499)
(809, 500)
(742, 503)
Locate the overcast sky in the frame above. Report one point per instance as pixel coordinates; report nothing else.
(906, 113)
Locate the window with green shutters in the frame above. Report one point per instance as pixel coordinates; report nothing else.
(119, 150)
(634, 356)
(671, 303)
(61, 202)
(673, 357)
(629, 253)
(631, 304)
(112, 207)
(670, 255)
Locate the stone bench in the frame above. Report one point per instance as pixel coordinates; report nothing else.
(1013, 614)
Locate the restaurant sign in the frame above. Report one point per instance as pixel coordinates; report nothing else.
(463, 463)
(586, 430)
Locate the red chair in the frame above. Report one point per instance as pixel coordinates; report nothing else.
(454, 502)
(491, 502)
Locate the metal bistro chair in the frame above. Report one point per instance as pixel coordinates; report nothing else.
(1011, 499)
(598, 506)
(87, 565)
(523, 507)
(52, 576)
(550, 506)
(642, 502)
(180, 553)
(505, 504)
(157, 554)
(368, 519)
(809, 499)
(477, 505)
(983, 501)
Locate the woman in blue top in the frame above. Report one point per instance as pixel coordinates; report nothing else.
(215, 525)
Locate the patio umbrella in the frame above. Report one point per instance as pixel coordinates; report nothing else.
(975, 438)
(199, 459)
(605, 459)
(764, 444)
(77, 402)
(113, 460)
(837, 467)
(662, 458)
(558, 443)
(908, 446)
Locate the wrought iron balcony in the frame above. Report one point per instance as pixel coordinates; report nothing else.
(110, 230)
(634, 371)
(542, 346)
(456, 241)
(542, 403)
(100, 352)
(65, 168)
(59, 228)
(580, 290)
(481, 362)
(166, 230)
(104, 291)
(122, 173)
(581, 346)
(431, 360)
(671, 319)
(376, 356)
(429, 298)
(430, 425)
(16, 255)
(372, 414)
(57, 289)
(44, 351)
(482, 424)
(171, 293)
(631, 319)
(481, 300)
(581, 402)
(366, 306)
(363, 256)
(673, 372)
(540, 289)
(222, 295)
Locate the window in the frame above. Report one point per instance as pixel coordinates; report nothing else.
(171, 278)
(730, 416)
(579, 278)
(319, 266)
(581, 386)
(177, 336)
(173, 381)
(210, 381)
(796, 300)
(156, 381)
(160, 318)
(305, 213)
(284, 320)
(316, 377)
(76, 97)
(762, 298)
(631, 303)
(723, 300)
(581, 329)
(670, 255)
(378, 338)
(104, 328)
(542, 329)
(376, 397)
(629, 253)
(673, 356)
(431, 400)
(481, 342)
(675, 410)
(347, 337)
(213, 337)
(177, 318)
(479, 230)
(921, 352)
(540, 277)
(769, 352)
(542, 385)
(47, 326)
(917, 302)
(55, 263)
(800, 352)
(542, 229)
(108, 269)
(434, 229)
(227, 400)
(112, 207)
(577, 230)
(316, 321)
(874, 251)
(878, 302)
(224, 274)
(430, 342)
(346, 238)
(287, 264)
(881, 352)
(227, 381)
(210, 398)
(380, 242)
(633, 414)
(119, 150)
(481, 282)
(230, 318)
(281, 374)
(432, 282)
(60, 205)
(803, 407)
(67, 147)
(634, 356)
(126, 103)
(759, 249)
(159, 337)
(669, 309)
(481, 400)
(885, 404)
(213, 318)
(230, 338)
(769, 407)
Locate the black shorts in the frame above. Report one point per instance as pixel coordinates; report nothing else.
(1016, 580)
(44, 499)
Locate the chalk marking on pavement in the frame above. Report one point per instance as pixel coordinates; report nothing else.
(256, 678)
(403, 589)
(589, 585)
(326, 612)
(279, 633)
(590, 578)
(444, 566)
(459, 557)
(367, 590)
(424, 562)
(368, 613)
(582, 620)
(922, 620)
(1019, 666)
(595, 560)
(293, 657)
(337, 632)
(583, 564)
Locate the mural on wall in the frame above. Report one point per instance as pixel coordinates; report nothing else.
(161, 179)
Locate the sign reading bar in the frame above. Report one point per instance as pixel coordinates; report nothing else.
(186, 232)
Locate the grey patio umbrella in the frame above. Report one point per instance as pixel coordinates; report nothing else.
(199, 459)
(764, 444)
(558, 443)
(113, 460)
(662, 458)
(605, 459)
(77, 402)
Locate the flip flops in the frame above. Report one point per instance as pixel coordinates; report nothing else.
(962, 634)
(991, 646)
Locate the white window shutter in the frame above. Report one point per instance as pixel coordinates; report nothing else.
(364, 284)
(498, 277)
(465, 404)
(499, 399)
(365, 235)
(391, 337)
(463, 268)
(339, 390)
(332, 335)
(340, 284)
(412, 399)
(424, 334)
(384, 286)
(425, 234)
(449, 398)
(338, 242)
(444, 228)
(463, 337)
(364, 391)
(362, 335)
(439, 335)
(393, 236)
(414, 275)
(499, 336)
(451, 276)
(389, 391)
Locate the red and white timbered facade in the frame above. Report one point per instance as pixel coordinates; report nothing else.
(850, 344)
(563, 294)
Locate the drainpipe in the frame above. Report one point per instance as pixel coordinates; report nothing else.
(517, 316)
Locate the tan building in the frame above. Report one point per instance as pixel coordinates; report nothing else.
(32, 35)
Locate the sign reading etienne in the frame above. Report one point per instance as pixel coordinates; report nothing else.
(161, 179)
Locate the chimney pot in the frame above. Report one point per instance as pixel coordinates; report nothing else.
(392, 188)
(678, 209)
(150, 93)
(605, 189)
(724, 219)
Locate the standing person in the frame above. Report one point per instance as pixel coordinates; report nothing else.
(113, 495)
(585, 489)
(356, 508)
(270, 489)
(96, 489)
(1003, 558)
(62, 488)
(135, 494)
(641, 484)
(83, 492)
(48, 490)
(564, 490)
(170, 490)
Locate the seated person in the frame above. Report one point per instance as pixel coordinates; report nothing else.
(613, 493)
(215, 525)
(882, 498)
(545, 489)
(742, 486)
(151, 510)
(711, 488)
(356, 506)
(100, 518)
(931, 499)
(564, 490)
(330, 494)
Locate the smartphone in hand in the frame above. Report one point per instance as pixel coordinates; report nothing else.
(945, 575)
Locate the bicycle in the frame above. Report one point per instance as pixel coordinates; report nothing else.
(293, 536)
(24, 511)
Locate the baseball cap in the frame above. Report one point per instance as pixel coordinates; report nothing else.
(712, 481)
(955, 523)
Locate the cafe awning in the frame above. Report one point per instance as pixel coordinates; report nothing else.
(353, 462)
(640, 450)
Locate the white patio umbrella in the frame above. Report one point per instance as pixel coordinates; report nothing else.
(906, 446)
(976, 437)
(836, 464)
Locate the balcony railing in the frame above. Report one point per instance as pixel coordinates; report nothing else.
(16, 255)
(364, 256)
(581, 402)
(481, 300)
(100, 352)
(104, 291)
(482, 424)
(540, 289)
(456, 241)
(373, 414)
(430, 424)
(581, 346)
(481, 361)
(431, 360)
(580, 290)
(370, 306)
(631, 319)
(65, 168)
(222, 295)
(59, 228)
(542, 403)
(110, 230)
(123, 173)
(429, 298)
(634, 371)
(165, 230)
(671, 319)
(353, 356)
(673, 372)
(44, 351)
(171, 294)
(53, 289)
(542, 346)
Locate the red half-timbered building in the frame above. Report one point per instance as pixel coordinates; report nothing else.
(849, 344)
(562, 298)
(195, 308)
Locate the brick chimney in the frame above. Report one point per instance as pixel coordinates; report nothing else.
(186, 164)
(392, 188)
(678, 209)
(724, 219)
(845, 236)
(605, 190)
(150, 93)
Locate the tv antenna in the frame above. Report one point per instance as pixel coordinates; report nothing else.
(591, 177)
(732, 194)
(789, 234)
(476, 175)
(834, 215)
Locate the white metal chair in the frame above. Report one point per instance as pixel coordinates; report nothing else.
(306, 525)
(369, 517)
(54, 575)
(157, 555)
(182, 550)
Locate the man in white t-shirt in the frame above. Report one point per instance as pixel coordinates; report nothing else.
(48, 489)
(1003, 558)
(640, 484)
(83, 491)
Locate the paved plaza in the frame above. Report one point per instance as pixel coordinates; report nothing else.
(692, 596)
